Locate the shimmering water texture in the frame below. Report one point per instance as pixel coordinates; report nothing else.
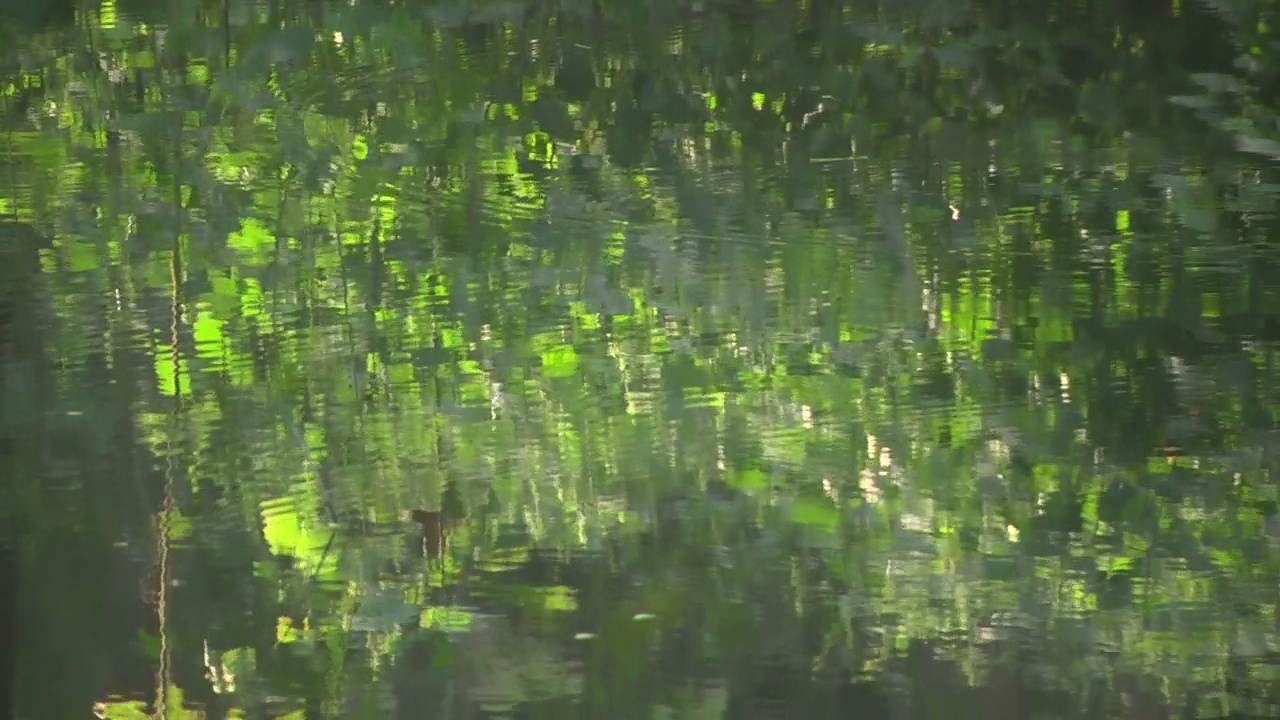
(723, 359)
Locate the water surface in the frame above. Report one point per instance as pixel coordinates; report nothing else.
(661, 360)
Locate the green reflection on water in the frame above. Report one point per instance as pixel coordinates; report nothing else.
(640, 360)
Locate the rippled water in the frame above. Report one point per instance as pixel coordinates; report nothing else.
(680, 360)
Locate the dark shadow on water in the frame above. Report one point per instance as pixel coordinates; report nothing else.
(10, 575)
(629, 670)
